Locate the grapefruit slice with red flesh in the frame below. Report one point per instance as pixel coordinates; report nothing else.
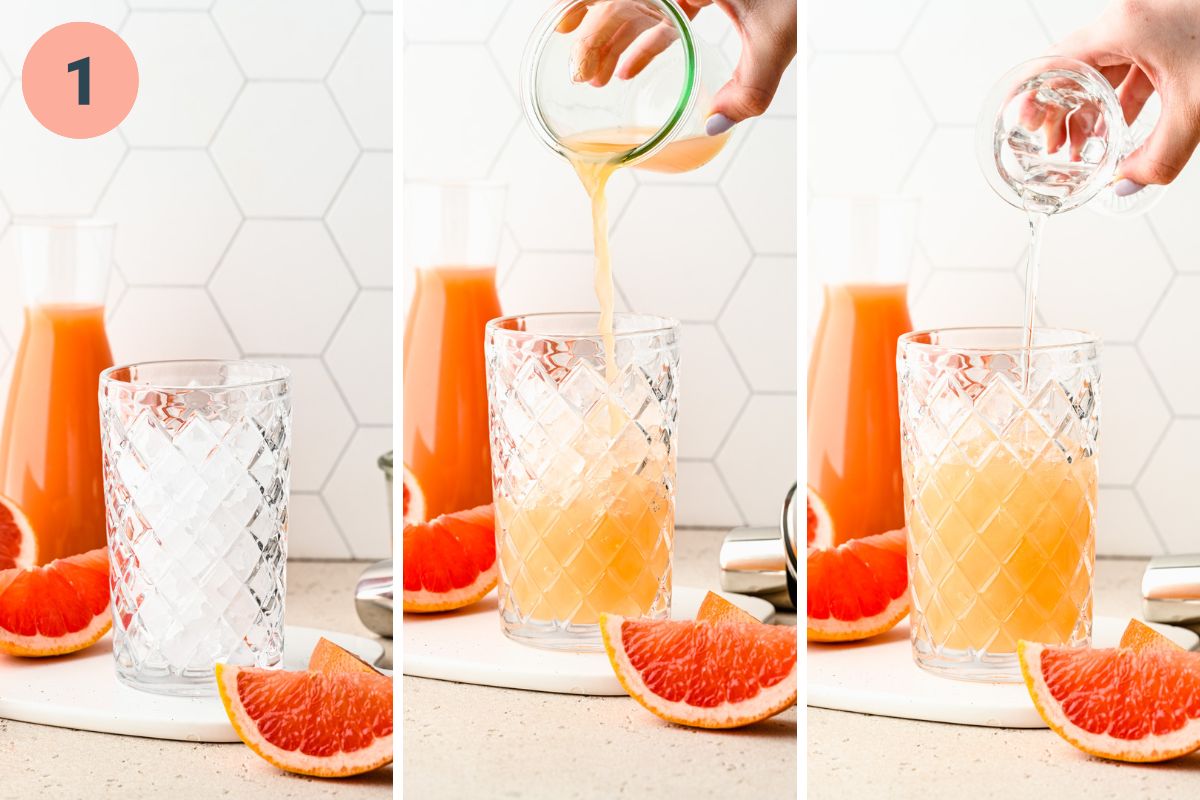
(858, 589)
(820, 522)
(328, 657)
(18, 547)
(413, 503)
(450, 561)
(1123, 704)
(57, 608)
(714, 672)
(328, 724)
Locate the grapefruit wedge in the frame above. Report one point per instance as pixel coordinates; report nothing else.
(55, 609)
(450, 561)
(858, 589)
(820, 522)
(1140, 636)
(328, 724)
(413, 503)
(18, 547)
(717, 609)
(720, 672)
(328, 657)
(1123, 704)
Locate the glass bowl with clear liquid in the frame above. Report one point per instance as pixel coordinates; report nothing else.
(1051, 137)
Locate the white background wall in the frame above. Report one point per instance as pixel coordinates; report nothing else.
(714, 248)
(894, 89)
(251, 186)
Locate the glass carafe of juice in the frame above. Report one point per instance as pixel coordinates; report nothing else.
(452, 240)
(590, 88)
(865, 247)
(50, 459)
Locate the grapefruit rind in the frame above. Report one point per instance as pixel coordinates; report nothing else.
(767, 703)
(1146, 750)
(423, 601)
(840, 630)
(374, 756)
(40, 646)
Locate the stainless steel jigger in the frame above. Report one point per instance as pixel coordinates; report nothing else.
(762, 561)
(1171, 590)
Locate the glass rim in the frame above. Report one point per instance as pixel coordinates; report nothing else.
(909, 341)
(280, 376)
(497, 325)
(547, 26)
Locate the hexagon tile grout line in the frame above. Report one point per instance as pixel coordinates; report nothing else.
(733, 498)
(111, 177)
(1137, 496)
(337, 526)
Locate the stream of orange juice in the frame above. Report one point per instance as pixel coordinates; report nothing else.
(1010, 552)
(594, 170)
(853, 411)
(603, 546)
(446, 441)
(51, 434)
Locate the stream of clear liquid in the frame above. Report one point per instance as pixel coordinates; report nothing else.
(1037, 222)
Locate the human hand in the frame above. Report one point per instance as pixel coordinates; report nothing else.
(1143, 47)
(608, 30)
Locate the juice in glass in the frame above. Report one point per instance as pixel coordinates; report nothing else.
(605, 545)
(50, 456)
(853, 427)
(1006, 547)
(584, 473)
(1000, 454)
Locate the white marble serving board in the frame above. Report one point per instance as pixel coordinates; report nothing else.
(878, 676)
(468, 646)
(81, 691)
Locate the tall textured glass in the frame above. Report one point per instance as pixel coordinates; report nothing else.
(583, 472)
(1000, 456)
(196, 471)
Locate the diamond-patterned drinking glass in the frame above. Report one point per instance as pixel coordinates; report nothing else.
(1000, 457)
(583, 472)
(196, 470)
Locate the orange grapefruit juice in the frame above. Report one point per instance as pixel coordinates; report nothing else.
(587, 157)
(1006, 548)
(51, 436)
(445, 387)
(853, 410)
(606, 548)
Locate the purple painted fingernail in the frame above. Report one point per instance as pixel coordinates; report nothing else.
(1126, 187)
(718, 124)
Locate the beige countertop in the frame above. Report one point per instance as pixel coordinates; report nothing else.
(857, 755)
(41, 761)
(477, 741)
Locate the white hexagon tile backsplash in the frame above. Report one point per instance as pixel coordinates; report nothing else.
(251, 186)
(714, 248)
(903, 82)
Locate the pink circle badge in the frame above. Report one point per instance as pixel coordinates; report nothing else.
(80, 80)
